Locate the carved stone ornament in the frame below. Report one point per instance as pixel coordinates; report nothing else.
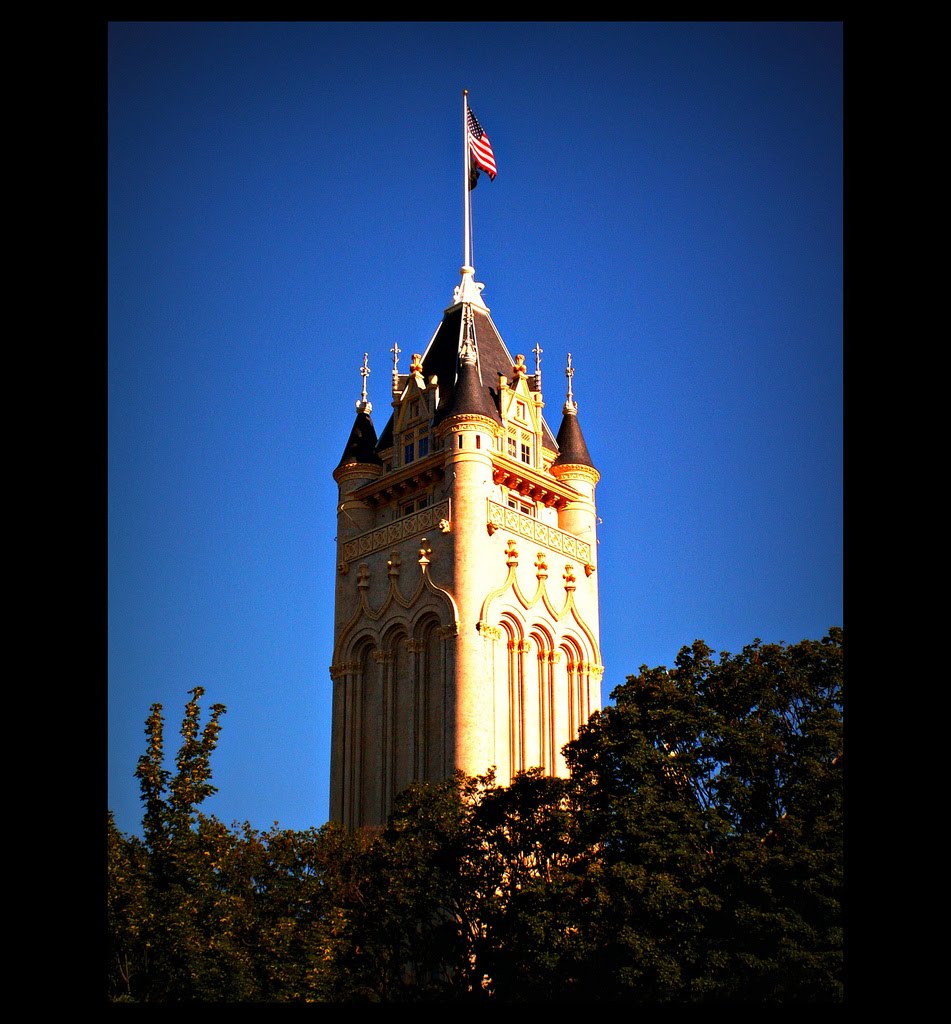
(450, 630)
(588, 569)
(444, 525)
(343, 568)
(511, 553)
(488, 630)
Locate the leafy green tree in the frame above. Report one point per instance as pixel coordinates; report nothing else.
(713, 793)
(694, 855)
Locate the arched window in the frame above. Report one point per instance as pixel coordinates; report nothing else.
(515, 674)
(545, 698)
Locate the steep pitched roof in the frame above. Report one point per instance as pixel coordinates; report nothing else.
(572, 450)
(361, 444)
(478, 392)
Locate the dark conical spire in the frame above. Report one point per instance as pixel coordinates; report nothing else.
(361, 445)
(572, 450)
(469, 395)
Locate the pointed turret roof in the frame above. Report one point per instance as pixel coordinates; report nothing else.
(468, 394)
(360, 448)
(572, 450)
(361, 445)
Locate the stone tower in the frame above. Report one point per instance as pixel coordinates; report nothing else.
(466, 601)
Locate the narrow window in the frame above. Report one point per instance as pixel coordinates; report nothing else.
(526, 455)
(414, 410)
(460, 439)
(478, 440)
(511, 448)
(408, 454)
(423, 446)
(520, 406)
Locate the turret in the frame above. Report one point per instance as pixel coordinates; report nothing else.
(574, 466)
(358, 465)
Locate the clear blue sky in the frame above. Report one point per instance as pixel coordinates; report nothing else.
(284, 197)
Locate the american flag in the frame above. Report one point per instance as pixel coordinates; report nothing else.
(480, 149)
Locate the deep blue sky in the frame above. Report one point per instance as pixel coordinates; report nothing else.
(284, 197)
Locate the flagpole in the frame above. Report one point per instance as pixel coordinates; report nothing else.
(466, 194)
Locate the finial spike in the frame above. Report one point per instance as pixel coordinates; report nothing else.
(570, 405)
(364, 405)
(538, 365)
(467, 350)
(396, 373)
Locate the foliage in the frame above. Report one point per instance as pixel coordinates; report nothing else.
(694, 855)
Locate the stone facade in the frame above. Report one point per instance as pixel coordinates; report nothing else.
(466, 602)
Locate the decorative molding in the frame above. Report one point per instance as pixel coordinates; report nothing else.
(447, 631)
(489, 631)
(414, 645)
(589, 569)
(511, 553)
(527, 526)
(400, 529)
(344, 669)
(382, 656)
(343, 568)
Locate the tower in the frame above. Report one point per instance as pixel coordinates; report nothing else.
(466, 600)
(466, 604)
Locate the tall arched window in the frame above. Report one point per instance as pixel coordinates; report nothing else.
(545, 698)
(515, 672)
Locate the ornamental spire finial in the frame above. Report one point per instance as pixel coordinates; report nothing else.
(467, 350)
(571, 406)
(364, 405)
(538, 365)
(396, 373)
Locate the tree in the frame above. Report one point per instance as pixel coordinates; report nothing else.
(693, 856)
(713, 792)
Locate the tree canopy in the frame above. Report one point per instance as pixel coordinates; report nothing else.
(694, 855)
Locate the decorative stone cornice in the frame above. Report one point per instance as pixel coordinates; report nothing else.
(344, 669)
(404, 482)
(467, 421)
(575, 471)
(530, 482)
